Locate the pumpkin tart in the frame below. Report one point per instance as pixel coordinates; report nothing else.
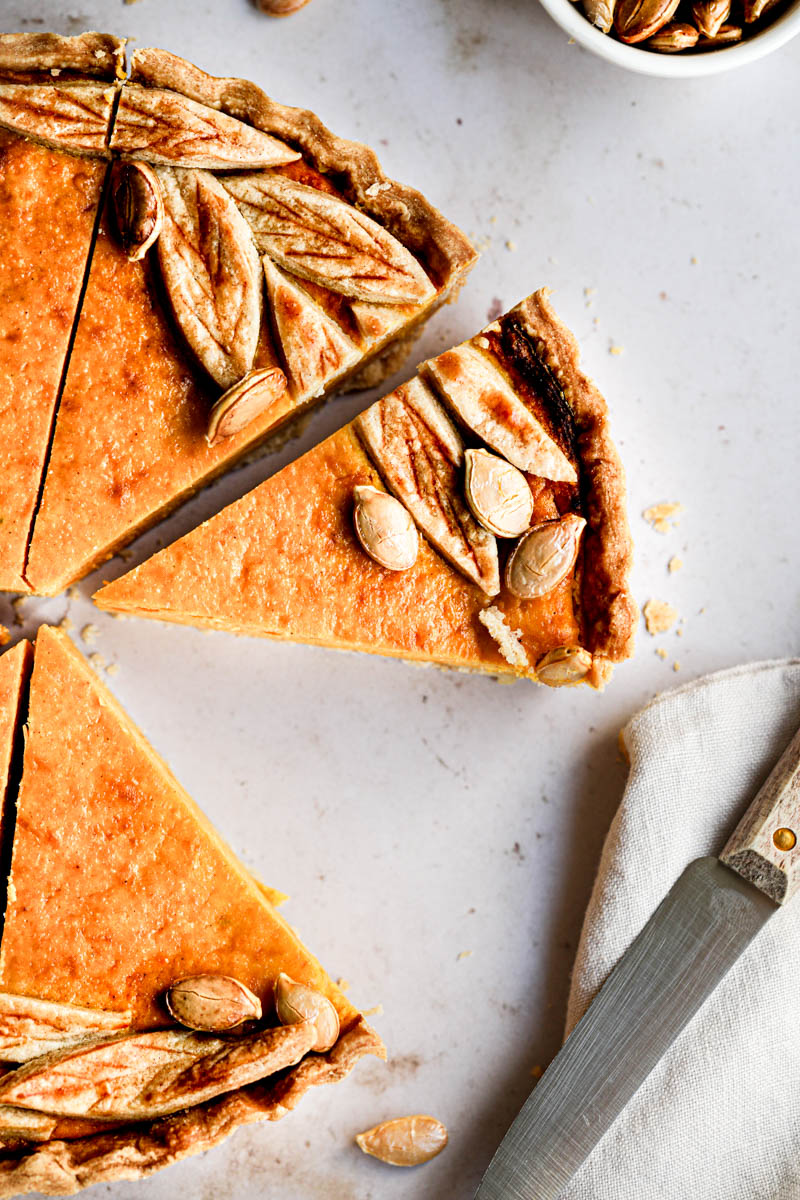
(474, 518)
(248, 263)
(119, 886)
(49, 202)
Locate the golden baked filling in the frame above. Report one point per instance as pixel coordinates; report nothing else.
(248, 263)
(48, 208)
(474, 517)
(150, 993)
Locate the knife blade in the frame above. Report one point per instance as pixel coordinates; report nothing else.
(698, 932)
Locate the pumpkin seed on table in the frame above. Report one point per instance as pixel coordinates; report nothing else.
(497, 493)
(404, 1141)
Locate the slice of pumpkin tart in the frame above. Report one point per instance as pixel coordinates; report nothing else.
(248, 264)
(474, 518)
(152, 994)
(56, 102)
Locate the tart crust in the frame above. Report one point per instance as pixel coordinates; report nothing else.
(608, 611)
(62, 1168)
(355, 167)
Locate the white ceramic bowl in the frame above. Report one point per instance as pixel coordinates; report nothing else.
(571, 18)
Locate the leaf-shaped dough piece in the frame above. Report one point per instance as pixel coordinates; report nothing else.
(314, 347)
(164, 127)
(419, 453)
(211, 270)
(377, 321)
(322, 238)
(482, 398)
(141, 1076)
(30, 1027)
(71, 116)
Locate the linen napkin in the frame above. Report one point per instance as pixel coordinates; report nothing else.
(719, 1118)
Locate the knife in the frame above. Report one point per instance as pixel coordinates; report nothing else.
(692, 940)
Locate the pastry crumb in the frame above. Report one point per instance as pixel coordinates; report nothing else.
(616, 350)
(375, 1011)
(674, 564)
(67, 624)
(508, 640)
(376, 188)
(693, 260)
(537, 1072)
(18, 607)
(343, 984)
(89, 634)
(112, 669)
(463, 954)
(676, 666)
(661, 652)
(5, 636)
(679, 632)
(97, 661)
(659, 616)
(660, 515)
(510, 245)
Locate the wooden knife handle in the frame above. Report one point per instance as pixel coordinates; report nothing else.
(765, 846)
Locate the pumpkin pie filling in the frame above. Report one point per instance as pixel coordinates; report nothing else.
(49, 201)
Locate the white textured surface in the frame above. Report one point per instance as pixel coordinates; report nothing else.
(412, 814)
(715, 1116)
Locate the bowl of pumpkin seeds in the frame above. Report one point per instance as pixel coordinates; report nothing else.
(678, 38)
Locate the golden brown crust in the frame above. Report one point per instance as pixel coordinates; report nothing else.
(608, 612)
(27, 56)
(62, 1168)
(443, 248)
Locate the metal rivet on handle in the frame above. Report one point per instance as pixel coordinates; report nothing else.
(784, 839)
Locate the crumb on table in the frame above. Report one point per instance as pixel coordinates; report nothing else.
(659, 616)
(660, 516)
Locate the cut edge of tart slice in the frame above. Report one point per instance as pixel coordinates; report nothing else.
(15, 665)
(105, 833)
(552, 604)
(117, 468)
(51, 203)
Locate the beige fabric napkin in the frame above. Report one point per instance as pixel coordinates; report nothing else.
(719, 1118)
